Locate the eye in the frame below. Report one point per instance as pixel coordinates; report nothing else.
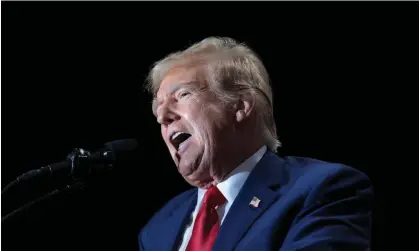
(184, 94)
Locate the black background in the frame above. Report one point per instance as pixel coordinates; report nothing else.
(73, 74)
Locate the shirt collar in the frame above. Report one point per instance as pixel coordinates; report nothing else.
(231, 186)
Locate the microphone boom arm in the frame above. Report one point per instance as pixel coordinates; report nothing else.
(77, 160)
(77, 186)
(77, 166)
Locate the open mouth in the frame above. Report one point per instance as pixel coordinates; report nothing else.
(178, 138)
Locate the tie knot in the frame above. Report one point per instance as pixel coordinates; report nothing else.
(213, 197)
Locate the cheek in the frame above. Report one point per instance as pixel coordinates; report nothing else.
(192, 112)
(203, 116)
(211, 122)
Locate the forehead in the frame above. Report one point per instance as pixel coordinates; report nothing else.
(175, 79)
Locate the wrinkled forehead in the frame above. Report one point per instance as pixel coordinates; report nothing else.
(175, 79)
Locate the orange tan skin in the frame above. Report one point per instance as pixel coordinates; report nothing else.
(221, 136)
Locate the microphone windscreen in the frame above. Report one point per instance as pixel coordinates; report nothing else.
(122, 145)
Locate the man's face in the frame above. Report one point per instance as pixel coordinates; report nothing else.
(194, 125)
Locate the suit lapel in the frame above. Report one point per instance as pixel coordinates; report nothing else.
(173, 228)
(242, 214)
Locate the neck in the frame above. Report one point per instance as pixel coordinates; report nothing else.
(237, 157)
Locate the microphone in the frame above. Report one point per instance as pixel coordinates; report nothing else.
(39, 185)
(79, 163)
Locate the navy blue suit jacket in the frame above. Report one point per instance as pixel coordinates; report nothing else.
(305, 204)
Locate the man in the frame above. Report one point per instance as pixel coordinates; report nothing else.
(214, 104)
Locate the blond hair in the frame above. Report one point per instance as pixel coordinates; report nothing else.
(231, 70)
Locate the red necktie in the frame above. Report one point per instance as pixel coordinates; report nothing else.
(206, 225)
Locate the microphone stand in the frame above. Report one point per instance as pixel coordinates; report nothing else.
(69, 188)
(78, 171)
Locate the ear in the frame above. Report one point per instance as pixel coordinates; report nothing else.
(244, 107)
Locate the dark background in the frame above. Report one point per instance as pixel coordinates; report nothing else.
(73, 73)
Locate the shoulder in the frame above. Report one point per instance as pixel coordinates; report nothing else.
(299, 176)
(331, 203)
(315, 170)
(316, 178)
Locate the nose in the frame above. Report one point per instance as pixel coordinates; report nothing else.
(166, 115)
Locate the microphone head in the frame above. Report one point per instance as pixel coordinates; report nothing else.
(119, 149)
(122, 145)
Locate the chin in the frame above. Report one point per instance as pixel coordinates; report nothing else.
(201, 180)
(189, 167)
(195, 172)
(185, 170)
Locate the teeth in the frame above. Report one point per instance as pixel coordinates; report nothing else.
(176, 134)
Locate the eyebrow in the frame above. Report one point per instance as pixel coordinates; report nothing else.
(194, 85)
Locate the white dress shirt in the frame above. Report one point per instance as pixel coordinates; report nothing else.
(230, 187)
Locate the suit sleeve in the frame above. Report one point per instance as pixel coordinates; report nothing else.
(336, 215)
